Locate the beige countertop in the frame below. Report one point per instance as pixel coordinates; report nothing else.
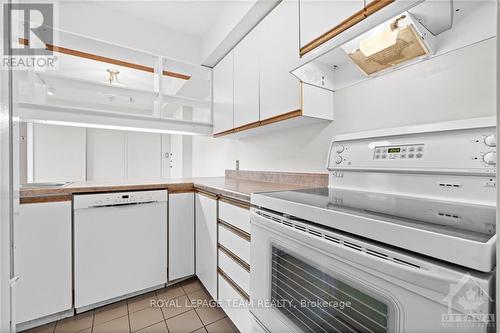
(239, 189)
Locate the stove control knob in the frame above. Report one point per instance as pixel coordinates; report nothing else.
(491, 140)
(490, 158)
(338, 159)
(340, 149)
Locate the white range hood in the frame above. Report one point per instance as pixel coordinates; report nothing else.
(402, 34)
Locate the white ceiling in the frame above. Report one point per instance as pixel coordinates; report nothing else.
(192, 17)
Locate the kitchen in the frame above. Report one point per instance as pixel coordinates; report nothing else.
(263, 154)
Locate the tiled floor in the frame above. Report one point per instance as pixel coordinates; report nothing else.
(181, 308)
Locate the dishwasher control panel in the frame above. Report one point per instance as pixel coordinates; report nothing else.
(118, 198)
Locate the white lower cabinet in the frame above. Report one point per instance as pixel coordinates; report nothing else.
(235, 306)
(42, 260)
(206, 242)
(181, 235)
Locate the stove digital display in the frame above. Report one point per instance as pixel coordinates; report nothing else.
(394, 150)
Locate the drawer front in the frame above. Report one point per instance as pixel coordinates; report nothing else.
(235, 306)
(234, 243)
(235, 271)
(235, 215)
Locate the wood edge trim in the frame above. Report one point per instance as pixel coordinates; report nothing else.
(216, 135)
(238, 260)
(281, 117)
(233, 284)
(371, 8)
(246, 127)
(235, 202)
(267, 121)
(179, 191)
(235, 230)
(95, 57)
(50, 198)
(207, 194)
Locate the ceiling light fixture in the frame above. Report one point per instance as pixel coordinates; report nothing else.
(113, 76)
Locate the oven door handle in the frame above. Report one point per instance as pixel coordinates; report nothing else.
(396, 272)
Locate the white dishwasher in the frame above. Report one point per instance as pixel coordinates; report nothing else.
(120, 245)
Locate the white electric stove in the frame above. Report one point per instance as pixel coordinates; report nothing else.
(405, 231)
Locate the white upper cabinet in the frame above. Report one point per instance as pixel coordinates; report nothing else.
(223, 94)
(318, 17)
(279, 46)
(246, 80)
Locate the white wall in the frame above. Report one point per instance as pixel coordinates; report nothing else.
(90, 19)
(58, 153)
(453, 86)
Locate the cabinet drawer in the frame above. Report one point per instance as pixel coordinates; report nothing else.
(234, 243)
(235, 271)
(235, 306)
(235, 215)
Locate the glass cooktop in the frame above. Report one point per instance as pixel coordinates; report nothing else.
(469, 221)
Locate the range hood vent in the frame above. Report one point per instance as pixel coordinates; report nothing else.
(390, 44)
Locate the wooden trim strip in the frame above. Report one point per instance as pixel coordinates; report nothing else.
(179, 191)
(235, 230)
(234, 202)
(50, 198)
(85, 55)
(233, 284)
(233, 256)
(275, 119)
(216, 135)
(281, 117)
(373, 7)
(207, 194)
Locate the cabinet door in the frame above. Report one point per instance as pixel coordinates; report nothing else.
(206, 242)
(279, 90)
(223, 94)
(246, 80)
(181, 235)
(318, 16)
(42, 259)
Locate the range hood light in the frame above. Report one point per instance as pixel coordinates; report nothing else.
(388, 45)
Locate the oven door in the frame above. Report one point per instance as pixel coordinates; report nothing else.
(309, 279)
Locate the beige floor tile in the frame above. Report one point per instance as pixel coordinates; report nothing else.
(172, 308)
(200, 297)
(209, 314)
(87, 330)
(170, 292)
(76, 323)
(47, 328)
(222, 326)
(161, 327)
(184, 323)
(145, 318)
(191, 285)
(119, 325)
(110, 312)
(141, 302)
(201, 330)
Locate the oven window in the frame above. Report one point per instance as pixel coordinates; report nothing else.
(317, 302)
